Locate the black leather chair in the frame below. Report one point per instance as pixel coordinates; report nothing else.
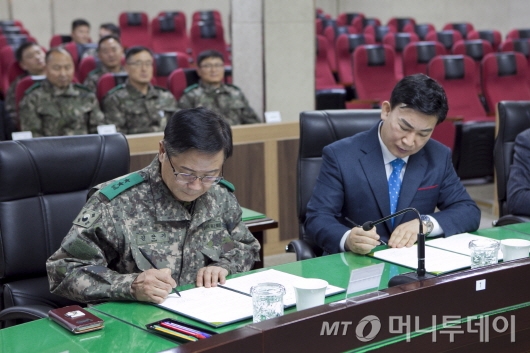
(43, 185)
(513, 118)
(318, 129)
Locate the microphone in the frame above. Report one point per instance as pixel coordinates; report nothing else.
(420, 273)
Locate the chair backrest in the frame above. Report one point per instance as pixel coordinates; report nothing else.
(361, 22)
(373, 71)
(323, 76)
(208, 36)
(399, 41)
(513, 118)
(7, 58)
(168, 34)
(331, 33)
(87, 65)
(463, 27)
(476, 49)
(447, 37)
(317, 130)
(519, 33)
(178, 81)
(346, 18)
(421, 29)
(416, 56)
(166, 63)
(504, 77)
(108, 81)
(491, 35)
(207, 16)
(58, 39)
(520, 45)
(43, 185)
(398, 23)
(344, 48)
(378, 32)
(456, 74)
(135, 29)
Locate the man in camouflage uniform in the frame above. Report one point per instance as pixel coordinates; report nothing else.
(30, 58)
(56, 106)
(178, 211)
(224, 99)
(110, 54)
(137, 106)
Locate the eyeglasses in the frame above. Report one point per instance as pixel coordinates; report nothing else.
(140, 63)
(185, 178)
(212, 66)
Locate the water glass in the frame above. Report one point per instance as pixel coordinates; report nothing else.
(484, 252)
(267, 301)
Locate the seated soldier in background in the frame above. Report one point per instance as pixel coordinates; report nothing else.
(30, 58)
(110, 53)
(57, 106)
(81, 31)
(518, 197)
(109, 29)
(137, 106)
(211, 92)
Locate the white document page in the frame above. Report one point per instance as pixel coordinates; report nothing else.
(437, 261)
(215, 306)
(244, 283)
(458, 243)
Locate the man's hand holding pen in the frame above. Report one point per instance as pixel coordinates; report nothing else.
(360, 241)
(153, 285)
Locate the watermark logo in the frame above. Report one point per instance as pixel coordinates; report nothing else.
(375, 324)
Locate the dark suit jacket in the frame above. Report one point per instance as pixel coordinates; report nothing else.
(518, 195)
(352, 183)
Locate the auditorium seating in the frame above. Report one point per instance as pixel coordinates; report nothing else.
(378, 32)
(491, 35)
(87, 65)
(168, 34)
(346, 18)
(134, 28)
(207, 16)
(420, 29)
(107, 82)
(58, 39)
(344, 48)
(521, 45)
(361, 22)
(519, 33)
(208, 36)
(399, 41)
(7, 58)
(477, 49)
(165, 63)
(331, 33)
(398, 23)
(463, 27)
(416, 56)
(447, 37)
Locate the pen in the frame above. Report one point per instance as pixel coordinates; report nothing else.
(172, 324)
(356, 225)
(156, 268)
(182, 330)
(174, 333)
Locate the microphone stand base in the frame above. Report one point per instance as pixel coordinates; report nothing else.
(408, 278)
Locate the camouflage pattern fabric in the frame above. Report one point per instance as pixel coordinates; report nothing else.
(226, 100)
(91, 81)
(46, 110)
(99, 259)
(135, 113)
(10, 102)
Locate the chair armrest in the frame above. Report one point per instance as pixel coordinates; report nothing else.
(27, 312)
(455, 118)
(301, 248)
(510, 219)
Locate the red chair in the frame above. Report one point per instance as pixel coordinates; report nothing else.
(323, 75)
(207, 16)
(319, 27)
(87, 65)
(332, 33)
(463, 27)
(168, 34)
(493, 36)
(166, 63)
(448, 38)
(399, 41)
(344, 48)
(346, 18)
(477, 49)
(420, 29)
(135, 30)
(504, 77)
(181, 15)
(361, 22)
(107, 82)
(398, 23)
(378, 32)
(180, 79)
(58, 39)
(416, 56)
(7, 58)
(208, 36)
(518, 33)
(373, 70)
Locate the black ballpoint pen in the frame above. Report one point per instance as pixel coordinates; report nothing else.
(356, 225)
(156, 268)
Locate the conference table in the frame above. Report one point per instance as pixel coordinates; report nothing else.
(447, 312)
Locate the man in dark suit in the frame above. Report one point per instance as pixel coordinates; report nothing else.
(519, 180)
(357, 173)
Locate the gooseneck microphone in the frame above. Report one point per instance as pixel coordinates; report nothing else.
(420, 272)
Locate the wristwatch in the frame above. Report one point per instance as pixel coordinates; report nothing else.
(427, 224)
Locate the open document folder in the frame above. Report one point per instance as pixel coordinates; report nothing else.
(231, 302)
(442, 255)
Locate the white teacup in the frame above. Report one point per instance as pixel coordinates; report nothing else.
(513, 249)
(309, 292)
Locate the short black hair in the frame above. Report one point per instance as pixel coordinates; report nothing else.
(106, 38)
(209, 54)
(200, 129)
(135, 50)
(79, 22)
(115, 30)
(421, 93)
(22, 48)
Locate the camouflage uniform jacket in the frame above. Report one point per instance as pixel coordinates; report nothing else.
(99, 258)
(11, 102)
(91, 81)
(135, 113)
(49, 111)
(226, 100)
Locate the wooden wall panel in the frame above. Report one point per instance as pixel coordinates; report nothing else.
(287, 156)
